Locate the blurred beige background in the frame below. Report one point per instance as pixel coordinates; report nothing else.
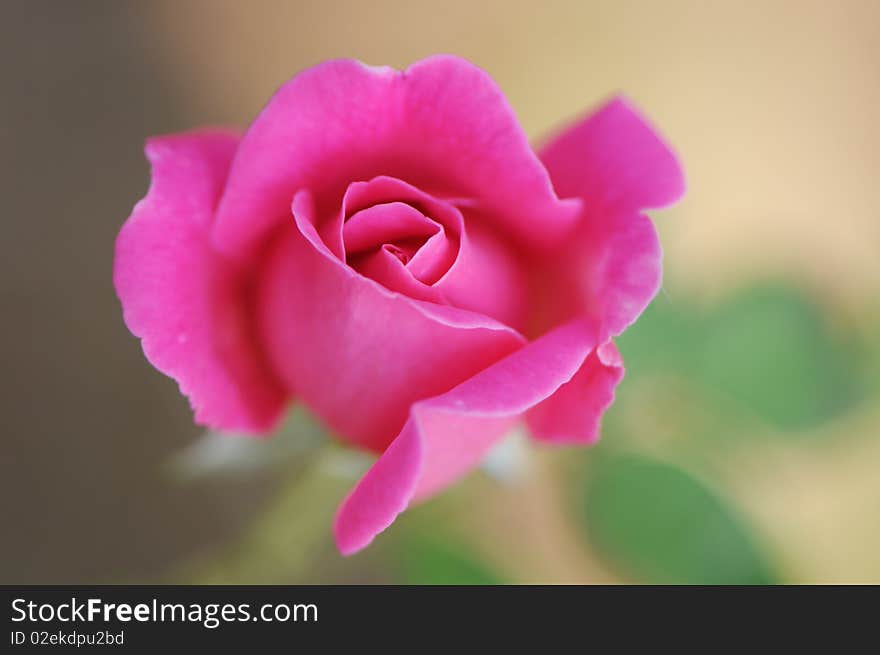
(773, 107)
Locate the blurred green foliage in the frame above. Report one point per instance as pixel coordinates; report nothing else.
(765, 355)
(434, 560)
(766, 352)
(658, 524)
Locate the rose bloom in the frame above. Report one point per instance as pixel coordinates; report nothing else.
(386, 248)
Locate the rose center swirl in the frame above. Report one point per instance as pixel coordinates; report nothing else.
(398, 235)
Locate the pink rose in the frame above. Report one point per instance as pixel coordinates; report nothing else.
(387, 249)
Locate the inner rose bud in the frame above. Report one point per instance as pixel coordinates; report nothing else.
(426, 247)
(399, 236)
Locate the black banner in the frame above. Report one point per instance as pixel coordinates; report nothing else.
(152, 617)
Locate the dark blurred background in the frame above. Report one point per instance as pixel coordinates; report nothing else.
(744, 444)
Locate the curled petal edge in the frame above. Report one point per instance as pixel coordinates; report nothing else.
(448, 435)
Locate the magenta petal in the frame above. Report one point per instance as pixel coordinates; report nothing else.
(442, 125)
(626, 265)
(387, 269)
(357, 353)
(185, 302)
(619, 269)
(434, 258)
(610, 270)
(487, 276)
(573, 413)
(385, 223)
(446, 436)
(611, 265)
(613, 159)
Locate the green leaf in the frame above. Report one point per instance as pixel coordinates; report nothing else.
(656, 523)
(432, 562)
(770, 351)
(766, 352)
(662, 339)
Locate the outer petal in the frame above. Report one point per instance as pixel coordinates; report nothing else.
(357, 353)
(442, 125)
(448, 435)
(573, 413)
(611, 266)
(610, 270)
(186, 303)
(614, 159)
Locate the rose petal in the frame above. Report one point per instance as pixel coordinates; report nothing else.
(387, 269)
(385, 223)
(435, 257)
(610, 270)
(442, 124)
(446, 436)
(382, 190)
(358, 354)
(188, 304)
(611, 266)
(613, 159)
(573, 413)
(487, 277)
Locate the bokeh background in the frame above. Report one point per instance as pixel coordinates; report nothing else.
(745, 443)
